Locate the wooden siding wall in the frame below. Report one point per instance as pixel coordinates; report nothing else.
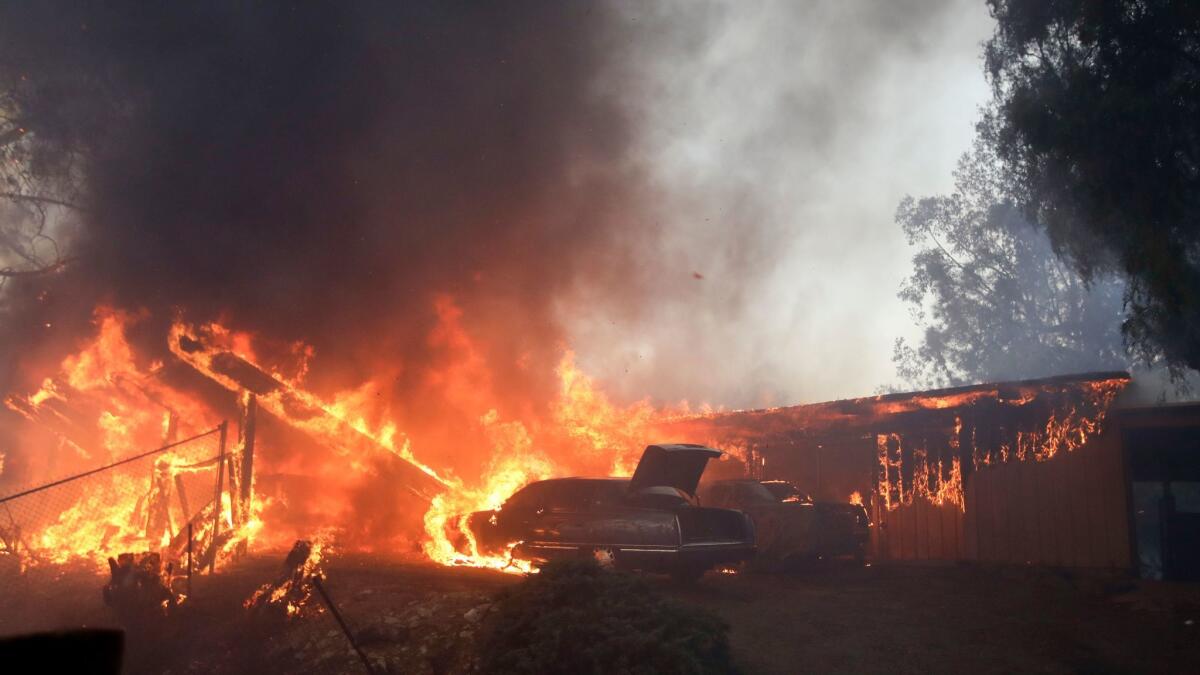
(1069, 511)
(919, 531)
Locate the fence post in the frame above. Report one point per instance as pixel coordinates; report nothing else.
(246, 496)
(217, 498)
(189, 525)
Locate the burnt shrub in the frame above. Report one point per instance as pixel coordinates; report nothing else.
(575, 617)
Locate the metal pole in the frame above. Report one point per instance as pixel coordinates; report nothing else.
(316, 581)
(212, 563)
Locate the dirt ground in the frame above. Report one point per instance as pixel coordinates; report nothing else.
(415, 617)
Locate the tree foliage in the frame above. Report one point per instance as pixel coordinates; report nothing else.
(992, 299)
(1097, 118)
(575, 617)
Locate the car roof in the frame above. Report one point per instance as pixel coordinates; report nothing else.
(679, 447)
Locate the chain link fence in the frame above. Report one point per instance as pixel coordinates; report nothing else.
(144, 502)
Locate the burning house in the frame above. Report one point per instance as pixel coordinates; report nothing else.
(1057, 471)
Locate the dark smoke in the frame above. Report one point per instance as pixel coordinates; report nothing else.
(319, 171)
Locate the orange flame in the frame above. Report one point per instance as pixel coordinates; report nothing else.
(130, 410)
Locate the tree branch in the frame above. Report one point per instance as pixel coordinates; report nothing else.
(9, 273)
(38, 199)
(10, 136)
(973, 273)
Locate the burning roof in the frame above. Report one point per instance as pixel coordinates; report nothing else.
(893, 413)
(924, 444)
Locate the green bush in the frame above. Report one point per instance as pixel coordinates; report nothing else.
(575, 617)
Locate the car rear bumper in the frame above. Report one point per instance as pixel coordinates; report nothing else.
(649, 558)
(704, 556)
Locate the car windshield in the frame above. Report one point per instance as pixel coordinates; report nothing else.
(757, 492)
(785, 492)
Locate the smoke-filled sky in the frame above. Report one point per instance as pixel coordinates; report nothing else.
(696, 197)
(781, 136)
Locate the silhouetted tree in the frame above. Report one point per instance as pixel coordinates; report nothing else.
(993, 300)
(41, 142)
(1097, 118)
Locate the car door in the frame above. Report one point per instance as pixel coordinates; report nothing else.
(519, 517)
(564, 514)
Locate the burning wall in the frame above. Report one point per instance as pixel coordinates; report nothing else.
(953, 474)
(921, 445)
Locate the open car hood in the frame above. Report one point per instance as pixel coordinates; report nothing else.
(675, 465)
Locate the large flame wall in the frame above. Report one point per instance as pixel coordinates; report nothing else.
(346, 464)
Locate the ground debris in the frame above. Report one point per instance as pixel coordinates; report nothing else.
(137, 589)
(427, 634)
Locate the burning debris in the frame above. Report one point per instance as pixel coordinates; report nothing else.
(290, 595)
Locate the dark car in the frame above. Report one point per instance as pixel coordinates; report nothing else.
(648, 522)
(786, 492)
(790, 528)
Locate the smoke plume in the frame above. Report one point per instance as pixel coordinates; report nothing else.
(325, 172)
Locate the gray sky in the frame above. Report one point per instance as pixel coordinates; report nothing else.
(780, 137)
